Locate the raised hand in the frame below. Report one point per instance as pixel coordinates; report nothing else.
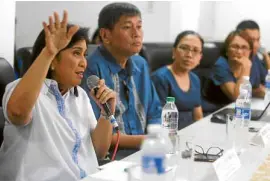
(56, 35)
(245, 65)
(244, 61)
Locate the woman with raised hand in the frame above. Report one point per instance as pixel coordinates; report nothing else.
(230, 69)
(51, 132)
(177, 80)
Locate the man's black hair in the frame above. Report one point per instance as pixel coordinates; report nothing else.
(248, 24)
(111, 14)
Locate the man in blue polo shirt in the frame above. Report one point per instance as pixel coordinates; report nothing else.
(259, 65)
(115, 61)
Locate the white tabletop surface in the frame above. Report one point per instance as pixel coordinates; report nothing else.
(214, 133)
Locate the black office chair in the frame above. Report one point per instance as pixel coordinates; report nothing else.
(157, 55)
(23, 59)
(6, 76)
(211, 52)
(2, 125)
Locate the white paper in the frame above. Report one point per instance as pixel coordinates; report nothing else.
(114, 171)
(265, 133)
(227, 165)
(116, 164)
(117, 171)
(262, 137)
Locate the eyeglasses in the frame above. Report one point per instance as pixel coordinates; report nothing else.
(216, 151)
(187, 49)
(237, 47)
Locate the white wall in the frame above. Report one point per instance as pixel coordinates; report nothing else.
(182, 18)
(31, 14)
(162, 21)
(228, 14)
(206, 24)
(7, 19)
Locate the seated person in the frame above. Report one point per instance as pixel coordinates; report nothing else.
(260, 65)
(120, 27)
(178, 81)
(229, 69)
(51, 132)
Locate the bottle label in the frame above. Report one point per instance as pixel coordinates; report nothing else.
(244, 113)
(153, 164)
(170, 121)
(267, 84)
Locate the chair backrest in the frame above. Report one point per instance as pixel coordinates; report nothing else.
(157, 54)
(23, 58)
(6, 76)
(2, 125)
(160, 54)
(143, 52)
(211, 52)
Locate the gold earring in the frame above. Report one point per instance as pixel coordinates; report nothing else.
(52, 68)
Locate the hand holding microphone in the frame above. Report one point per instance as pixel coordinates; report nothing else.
(103, 96)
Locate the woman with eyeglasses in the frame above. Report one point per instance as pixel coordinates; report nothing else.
(51, 132)
(230, 68)
(177, 80)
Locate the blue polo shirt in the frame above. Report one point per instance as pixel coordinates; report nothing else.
(166, 85)
(137, 101)
(258, 72)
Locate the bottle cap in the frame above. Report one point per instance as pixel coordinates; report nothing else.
(170, 99)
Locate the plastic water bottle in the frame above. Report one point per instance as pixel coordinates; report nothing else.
(267, 88)
(170, 120)
(154, 154)
(242, 119)
(246, 85)
(243, 107)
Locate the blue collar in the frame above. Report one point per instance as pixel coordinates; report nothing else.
(114, 67)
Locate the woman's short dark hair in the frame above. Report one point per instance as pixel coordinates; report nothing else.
(230, 38)
(183, 34)
(111, 13)
(81, 34)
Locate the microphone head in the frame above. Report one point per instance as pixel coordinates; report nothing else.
(92, 81)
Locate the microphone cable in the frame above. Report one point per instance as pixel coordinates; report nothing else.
(117, 144)
(92, 83)
(115, 126)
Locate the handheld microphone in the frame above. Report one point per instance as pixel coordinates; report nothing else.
(92, 83)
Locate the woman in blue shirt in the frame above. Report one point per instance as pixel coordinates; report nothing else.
(177, 80)
(229, 70)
